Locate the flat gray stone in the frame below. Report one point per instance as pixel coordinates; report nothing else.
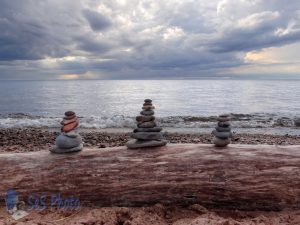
(133, 144)
(154, 129)
(223, 124)
(150, 124)
(147, 112)
(221, 142)
(147, 136)
(72, 134)
(65, 142)
(223, 129)
(58, 150)
(145, 118)
(223, 119)
(222, 135)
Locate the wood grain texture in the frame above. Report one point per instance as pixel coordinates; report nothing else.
(249, 177)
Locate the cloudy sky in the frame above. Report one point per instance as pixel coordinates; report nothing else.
(149, 39)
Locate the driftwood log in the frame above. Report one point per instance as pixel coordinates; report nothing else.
(246, 177)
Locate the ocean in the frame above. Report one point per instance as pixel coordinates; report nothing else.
(266, 106)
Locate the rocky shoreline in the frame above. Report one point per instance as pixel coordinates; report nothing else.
(31, 139)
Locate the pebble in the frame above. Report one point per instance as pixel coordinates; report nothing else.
(224, 124)
(222, 135)
(221, 142)
(145, 118)
(149, 124)
(148, 107)
(65, 142)
(147, 113)
(223, 129)
(69, 127)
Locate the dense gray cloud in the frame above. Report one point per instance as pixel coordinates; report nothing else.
(116, 39)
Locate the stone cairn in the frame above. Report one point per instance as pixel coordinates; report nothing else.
(222, 133)
(69, 140)
(147, 134)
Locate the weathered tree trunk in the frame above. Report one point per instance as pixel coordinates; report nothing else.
(249, 177)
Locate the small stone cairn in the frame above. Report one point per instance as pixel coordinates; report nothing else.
(147, 134)
(222, 133)
(69, 140)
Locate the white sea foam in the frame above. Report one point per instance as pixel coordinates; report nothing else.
(94, 122)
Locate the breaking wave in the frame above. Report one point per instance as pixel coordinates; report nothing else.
(259, 120)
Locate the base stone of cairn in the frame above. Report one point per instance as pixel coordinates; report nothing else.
(69, 140)
(222, 133)
(147, 134)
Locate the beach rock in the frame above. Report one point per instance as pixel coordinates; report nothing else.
(221, 142)
(133, 144)
(58, 150)
(69, 117)
(222, 135)
(145, 118)
(65, 142)
(147, 135)
(223, 129)
(66, 122)
(71, 134)
(147, 113)
(223, 119)
(69, 127)
(154, 129)
(69, 113)
(224, 124)
(148, 107)
(149, 124)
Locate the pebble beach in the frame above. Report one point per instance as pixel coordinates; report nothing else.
(33, 139)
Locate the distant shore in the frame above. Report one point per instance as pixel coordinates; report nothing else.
(32, 139)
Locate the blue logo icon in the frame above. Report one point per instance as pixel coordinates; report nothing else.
(11, 199)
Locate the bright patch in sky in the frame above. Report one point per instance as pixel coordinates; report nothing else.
(148, 39)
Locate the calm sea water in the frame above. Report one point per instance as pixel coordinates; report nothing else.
(115, 103)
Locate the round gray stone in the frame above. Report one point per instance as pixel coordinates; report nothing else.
(222, 135)
(147, 136)
(147, 112)
(154, 129)
(221, 142)
(65, 142)
(134, 144)
(55, 149)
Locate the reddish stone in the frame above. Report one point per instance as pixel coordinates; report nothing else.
(69, 127)
(66, 122)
